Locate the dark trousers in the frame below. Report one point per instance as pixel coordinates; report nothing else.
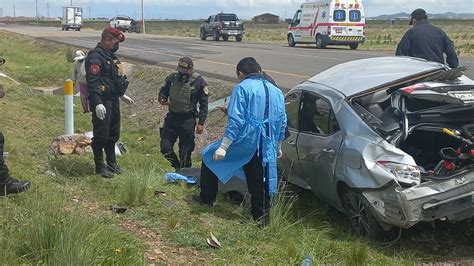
(4, 175)
(106, 134)
(176, 126)
(257, 186)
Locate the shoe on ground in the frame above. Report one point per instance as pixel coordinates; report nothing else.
(197, 199)
(103, 172)
(13, 186)
(115, 169)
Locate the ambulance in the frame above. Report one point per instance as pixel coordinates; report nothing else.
(328, 22)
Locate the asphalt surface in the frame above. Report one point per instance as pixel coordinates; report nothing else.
(289, 66)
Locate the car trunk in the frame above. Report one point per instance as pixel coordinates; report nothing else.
(437, 126)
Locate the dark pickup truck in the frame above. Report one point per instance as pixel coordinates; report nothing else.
(222, 25)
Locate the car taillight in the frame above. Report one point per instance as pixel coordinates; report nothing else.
(404, 173)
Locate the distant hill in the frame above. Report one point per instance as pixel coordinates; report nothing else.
(447, 15)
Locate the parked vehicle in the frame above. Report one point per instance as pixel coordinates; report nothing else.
(122, 23)
(328, 22)
(222, 25)
(72, 18)
(388, 141)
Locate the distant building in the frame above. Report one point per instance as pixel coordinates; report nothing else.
(266, 18)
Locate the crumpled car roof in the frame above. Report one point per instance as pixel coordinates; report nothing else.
(361, 75)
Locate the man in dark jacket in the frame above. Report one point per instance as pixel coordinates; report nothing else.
(106, 83)
(182, 92)
(8, 184)
(427, 41)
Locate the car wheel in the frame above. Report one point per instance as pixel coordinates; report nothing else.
(291, 40)
(361, 219)
(319, 42)
(225, 38)
(353, 46)
(203, 34)
(238, 38)
(215, 35)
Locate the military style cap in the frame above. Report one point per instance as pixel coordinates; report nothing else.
(116, 32)
(184, 65)
(418, 14)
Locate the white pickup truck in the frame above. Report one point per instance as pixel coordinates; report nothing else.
(122, 23)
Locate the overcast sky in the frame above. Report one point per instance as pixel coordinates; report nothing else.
(194, 9)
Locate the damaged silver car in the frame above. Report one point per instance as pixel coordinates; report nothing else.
(388, 141)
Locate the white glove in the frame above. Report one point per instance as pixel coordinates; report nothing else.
(220, 153)
(100, 111)
(127, 99)
(279, 152)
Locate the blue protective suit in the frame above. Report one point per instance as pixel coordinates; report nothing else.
(247, 128)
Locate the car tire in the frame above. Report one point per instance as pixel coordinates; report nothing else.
(203, 34)
(238, 38)
(361, 219)
(320, 42)
(353, 46)
(215, 35)
(225, 38)
(291, 40)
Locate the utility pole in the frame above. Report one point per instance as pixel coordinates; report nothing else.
(37, 19)
(14, 12)
(89, 11)
(143, 20)
(47, 8)
(71, 2)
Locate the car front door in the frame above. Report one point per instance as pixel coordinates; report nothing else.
(288, 164)
(318, 144)
(295, 26)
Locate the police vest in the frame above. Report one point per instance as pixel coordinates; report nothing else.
(180, 95)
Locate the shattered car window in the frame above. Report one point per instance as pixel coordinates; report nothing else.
(316, 116)
(292, 110)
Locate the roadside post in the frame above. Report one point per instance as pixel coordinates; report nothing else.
(68, 107)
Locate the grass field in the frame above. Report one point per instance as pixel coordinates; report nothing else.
(381, 35)
(65, 218)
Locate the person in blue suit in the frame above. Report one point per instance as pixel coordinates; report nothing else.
(251, 143)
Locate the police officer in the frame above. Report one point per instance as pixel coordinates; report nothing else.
(8, 184)
(106, 83)
(427, 41)
(181, 93)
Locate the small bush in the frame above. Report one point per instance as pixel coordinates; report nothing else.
(135, 185)
(70, 54)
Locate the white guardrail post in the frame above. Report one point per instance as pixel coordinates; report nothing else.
(68, 107)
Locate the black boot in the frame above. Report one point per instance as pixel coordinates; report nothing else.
(101, 170)
(13, 186)
(116, 169)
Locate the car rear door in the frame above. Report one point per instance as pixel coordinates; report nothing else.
(318, 144)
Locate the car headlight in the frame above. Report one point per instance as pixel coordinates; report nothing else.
(404, 173)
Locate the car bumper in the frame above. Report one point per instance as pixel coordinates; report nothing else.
(345, 39)
(232, 32)
(451, 200)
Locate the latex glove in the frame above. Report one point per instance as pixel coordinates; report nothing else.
(279, 152)
(199, 129)
(100, 111)
(127, 99)
(220, 153)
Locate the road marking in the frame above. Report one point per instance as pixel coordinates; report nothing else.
(196, 59)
